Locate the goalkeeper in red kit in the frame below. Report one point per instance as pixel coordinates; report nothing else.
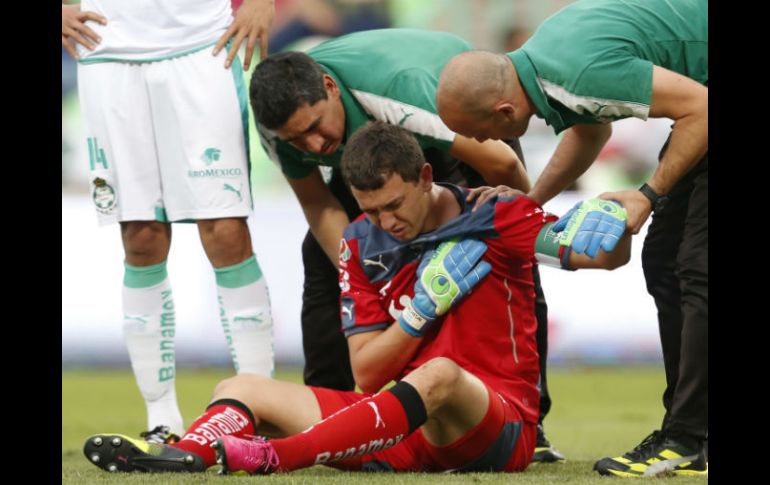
(437, 295)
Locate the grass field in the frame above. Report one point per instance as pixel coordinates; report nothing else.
(596, 412)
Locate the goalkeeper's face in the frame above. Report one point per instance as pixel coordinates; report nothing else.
(402, 209)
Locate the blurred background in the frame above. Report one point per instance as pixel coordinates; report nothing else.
(594, 317)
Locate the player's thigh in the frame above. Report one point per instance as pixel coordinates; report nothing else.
(124, 175)
(200, 114)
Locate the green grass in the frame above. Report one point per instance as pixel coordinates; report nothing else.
(596, 412)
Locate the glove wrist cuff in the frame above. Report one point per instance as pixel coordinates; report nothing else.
(412, 322)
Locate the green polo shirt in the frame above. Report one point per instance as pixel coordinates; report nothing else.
(389, 75)
(591, 62)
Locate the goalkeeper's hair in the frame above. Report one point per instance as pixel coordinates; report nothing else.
(378, 150)
(282, 83)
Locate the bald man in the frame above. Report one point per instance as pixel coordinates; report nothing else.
(589, 64)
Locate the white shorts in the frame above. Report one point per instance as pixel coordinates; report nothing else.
(167, 140)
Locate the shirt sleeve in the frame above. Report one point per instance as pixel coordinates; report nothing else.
(614, 87)
(414, 92)
(518, 222)
(360, 306)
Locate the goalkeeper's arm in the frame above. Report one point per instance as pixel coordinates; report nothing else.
(591, 235)
(549, 252)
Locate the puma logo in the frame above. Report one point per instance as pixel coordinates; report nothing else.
(378, 418)
(256, 318)
(347, 311)
(142, 319)
(233, 190)
(406, 115)
(371, 262)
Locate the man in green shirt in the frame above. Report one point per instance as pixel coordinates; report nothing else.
(589, 64)
(308, 105)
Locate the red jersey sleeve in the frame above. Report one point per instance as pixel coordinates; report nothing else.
(360, 306)
(517, 222)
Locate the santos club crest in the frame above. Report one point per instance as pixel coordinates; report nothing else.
(104, 196)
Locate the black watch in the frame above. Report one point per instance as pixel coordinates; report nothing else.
(658, 201)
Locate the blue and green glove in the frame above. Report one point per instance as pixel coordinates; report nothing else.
(590, 225)
(444, 276)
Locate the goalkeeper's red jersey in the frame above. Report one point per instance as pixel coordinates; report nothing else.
(491, 332)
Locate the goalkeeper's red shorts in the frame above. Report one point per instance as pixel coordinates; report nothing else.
(502, 441)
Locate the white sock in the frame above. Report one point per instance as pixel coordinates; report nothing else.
(148, 328)
(244, 309)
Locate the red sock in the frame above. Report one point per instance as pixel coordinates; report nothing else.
(367, 426)
(225, 416)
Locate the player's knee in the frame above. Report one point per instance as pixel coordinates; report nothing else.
(234, 387)
(221, 234)
(145, 240)
(438, 377)
(223, 386)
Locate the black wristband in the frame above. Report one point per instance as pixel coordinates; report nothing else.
(657, 201)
